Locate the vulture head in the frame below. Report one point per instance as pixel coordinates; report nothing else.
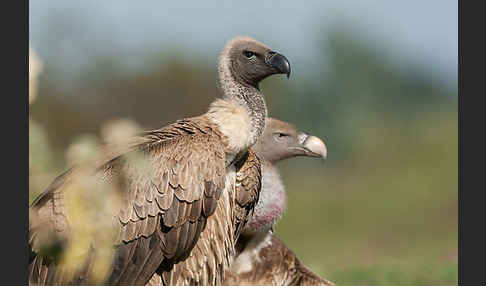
(282, 140)
(248, 61)
(242, 111)
(279, 141)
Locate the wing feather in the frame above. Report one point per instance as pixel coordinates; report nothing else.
(214, 251)
(166, 205)
(248, 186)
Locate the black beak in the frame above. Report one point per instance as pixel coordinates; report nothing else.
(279, 62)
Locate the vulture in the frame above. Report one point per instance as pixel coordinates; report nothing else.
(183, 209)
(262, 258)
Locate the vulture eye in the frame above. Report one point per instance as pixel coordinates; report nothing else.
(280, 136)
(248, 54)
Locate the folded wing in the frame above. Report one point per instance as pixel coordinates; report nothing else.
(166, 203)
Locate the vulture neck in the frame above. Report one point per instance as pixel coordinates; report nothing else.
(241, 113)
(272, 201)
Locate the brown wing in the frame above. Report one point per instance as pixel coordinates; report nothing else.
(214, 251)
(166, 205)
(211, 255)
(248, 186)
(271, 262)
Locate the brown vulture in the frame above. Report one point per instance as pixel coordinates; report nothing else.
(262, 258)
(189, 200)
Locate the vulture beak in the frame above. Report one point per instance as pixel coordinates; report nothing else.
(279, 62)
(312, 146)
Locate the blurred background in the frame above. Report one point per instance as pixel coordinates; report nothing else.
(376, 80)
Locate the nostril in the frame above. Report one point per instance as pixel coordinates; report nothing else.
(302, 137)
(271, 54)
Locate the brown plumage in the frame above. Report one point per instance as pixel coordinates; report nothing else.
(186, 204)
(200, 267)
(262, 258)
(274, 264)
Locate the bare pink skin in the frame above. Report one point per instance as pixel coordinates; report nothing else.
(272, 201)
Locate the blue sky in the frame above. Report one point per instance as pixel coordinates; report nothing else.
(412, 31)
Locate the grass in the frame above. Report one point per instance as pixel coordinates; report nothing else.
(399, 275)
(390, 219)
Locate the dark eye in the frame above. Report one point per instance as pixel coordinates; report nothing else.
(279, 135)
(248, 54)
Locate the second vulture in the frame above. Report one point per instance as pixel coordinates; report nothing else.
(262, 258)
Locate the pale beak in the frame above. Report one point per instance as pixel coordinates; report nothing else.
(315, 147)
